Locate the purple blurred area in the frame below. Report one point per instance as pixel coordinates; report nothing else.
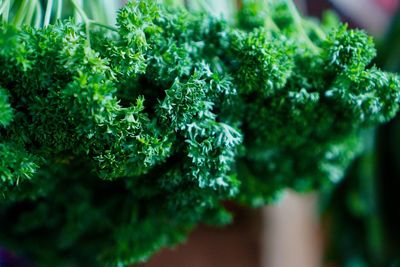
(10, 259)
(371, 15)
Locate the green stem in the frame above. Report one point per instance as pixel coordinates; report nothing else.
(299, 25)
(59, 9)
(31, 11)
(269, 23)
(111, 28)
(205, 6)
(84, 17)
(47, 16)
(20, 16)
(111, 8)
(80, 11)
(317, 30)
(5, 10)
(97, 13)
(38, 18)
(3, 6)
(174, 2)
(104, 11)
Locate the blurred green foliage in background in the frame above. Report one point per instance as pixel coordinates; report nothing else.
(363, 211)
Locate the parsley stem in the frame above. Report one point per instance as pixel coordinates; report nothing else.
(176, 3)
(110, 9)
(38, 18)
(84, 17)
(111, 28)
(317, 30)
(205, 5)
(31, 11)
(96, 13)
(3, 6)
(79, 9)
(270, 24)
(59, 9)
(5, 10)
(20, 16)
(299, 25)
(47, 15)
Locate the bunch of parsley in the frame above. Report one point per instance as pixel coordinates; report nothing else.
(115, 143)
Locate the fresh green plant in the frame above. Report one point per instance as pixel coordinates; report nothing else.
(362, 209)
(117, 141)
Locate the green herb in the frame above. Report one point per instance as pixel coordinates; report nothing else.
(117, 142)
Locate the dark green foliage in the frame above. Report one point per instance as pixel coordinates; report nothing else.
(363, 211)
(363, 98)
(117, 147)
(252, 14)
(350, 50)
(5, 108)
(262, 63)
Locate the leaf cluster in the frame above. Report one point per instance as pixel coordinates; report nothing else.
(118, 145)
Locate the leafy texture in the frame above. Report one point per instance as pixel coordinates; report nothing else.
(5, 108)
(118, 145)
(362, 210)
